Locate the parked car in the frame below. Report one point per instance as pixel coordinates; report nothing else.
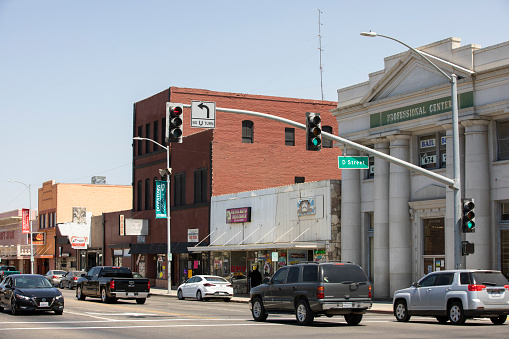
(7, 270)
(54, 277)
(313, 289)
(30, 292)
(111, 283)
(454, 296)
(205, 287)
(70, 279)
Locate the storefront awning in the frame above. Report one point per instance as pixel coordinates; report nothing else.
(160, 248)
(256, 247)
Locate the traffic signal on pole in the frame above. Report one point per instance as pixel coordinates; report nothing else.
(174, 121)
(467, 248)
(468, 223)
(313, 132)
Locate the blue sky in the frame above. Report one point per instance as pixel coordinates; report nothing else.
(70, 71)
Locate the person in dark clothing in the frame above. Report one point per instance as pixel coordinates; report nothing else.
(255, 277)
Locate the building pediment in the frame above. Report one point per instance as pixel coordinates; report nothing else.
(412, 73)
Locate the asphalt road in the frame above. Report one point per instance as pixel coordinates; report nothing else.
(163, 317)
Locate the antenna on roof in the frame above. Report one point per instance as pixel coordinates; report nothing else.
(320, 48)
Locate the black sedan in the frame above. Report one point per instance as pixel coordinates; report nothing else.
(30, 292)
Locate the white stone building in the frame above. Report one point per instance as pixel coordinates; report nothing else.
(400, 224)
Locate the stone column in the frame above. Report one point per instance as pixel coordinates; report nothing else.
(477, 186)
(351, 214)
(381, 222)
(400, 232)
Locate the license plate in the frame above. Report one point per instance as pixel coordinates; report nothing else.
(44, 304)
(347, 305)
(132, 294)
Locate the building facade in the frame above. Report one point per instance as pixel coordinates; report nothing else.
(402, 223)
(14, 243)
(242, 153)
(65, 220)
(272, 228)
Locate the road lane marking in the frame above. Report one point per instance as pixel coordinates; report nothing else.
(142, 326)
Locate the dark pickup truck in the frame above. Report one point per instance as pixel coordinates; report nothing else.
(111, 283)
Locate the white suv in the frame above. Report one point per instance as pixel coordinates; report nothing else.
(455, 296)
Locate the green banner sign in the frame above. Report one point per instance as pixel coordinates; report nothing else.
(160, 199)
(354, 162)
(428, 108)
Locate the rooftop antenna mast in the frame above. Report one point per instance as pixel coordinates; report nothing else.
(320, 48)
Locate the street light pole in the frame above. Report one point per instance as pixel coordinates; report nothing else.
(168, 240)
(455, 146)
(29, 186)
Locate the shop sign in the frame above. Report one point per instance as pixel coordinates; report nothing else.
(274, 256)
(424, 109)
(160, 199)
(192, 235)
(38, 238)
(79, 242)
(238, 215)
(122, 224)
(306, 206)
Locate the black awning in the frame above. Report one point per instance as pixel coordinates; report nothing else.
(160, 248)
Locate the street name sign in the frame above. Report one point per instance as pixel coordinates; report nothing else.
(203, 114)
(353, 162)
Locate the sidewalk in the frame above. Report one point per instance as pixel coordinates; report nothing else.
(379, 306)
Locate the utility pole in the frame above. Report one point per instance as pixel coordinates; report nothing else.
(320, 49)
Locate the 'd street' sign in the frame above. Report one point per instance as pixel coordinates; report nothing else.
(353, 162)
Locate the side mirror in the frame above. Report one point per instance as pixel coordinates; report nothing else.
(415, 284)
(8, 286)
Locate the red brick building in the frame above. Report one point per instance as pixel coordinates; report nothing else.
(242, 153)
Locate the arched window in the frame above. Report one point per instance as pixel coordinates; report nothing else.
(247, 132)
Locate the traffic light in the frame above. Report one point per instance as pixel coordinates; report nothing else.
(313, 132)
(467, 248)
(468, 224)
(174, 120)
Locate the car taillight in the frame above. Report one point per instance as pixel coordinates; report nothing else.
(149, 285)
(54, 277)
(75, 278)
(506, 287)
(319, 292)
(476, 288)
(229, 285)
(112, 284)
(369, 294)
(208, 285)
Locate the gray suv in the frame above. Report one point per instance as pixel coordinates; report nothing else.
(313, 289)
(454, 296)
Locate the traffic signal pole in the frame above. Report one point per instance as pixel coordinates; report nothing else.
(411, 167)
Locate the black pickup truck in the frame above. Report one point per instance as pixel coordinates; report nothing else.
(111, 283)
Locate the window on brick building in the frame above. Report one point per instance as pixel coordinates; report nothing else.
(200, 185)
(289, 136)
(147, 194)
(138, 195)
(247, 132)
(327, 143)
(140, 130)
(147, 135)
(154, 190)
(179, 189)
(300, 180)
(156, 135)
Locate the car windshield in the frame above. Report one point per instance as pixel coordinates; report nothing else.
(490, 278)
(32, 282)
(342, 274)
(216, 279)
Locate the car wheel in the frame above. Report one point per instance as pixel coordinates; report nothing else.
(499, 320)
(79, 293)
(14, 307)
(258, 311)
(199, 296)
(456, 314)
(353, 319)
(303, 313)
(61, 286)
(104, 296)
(141, 301)
(442, 320)
(59, 312)
(180, 295)
(401, 311)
